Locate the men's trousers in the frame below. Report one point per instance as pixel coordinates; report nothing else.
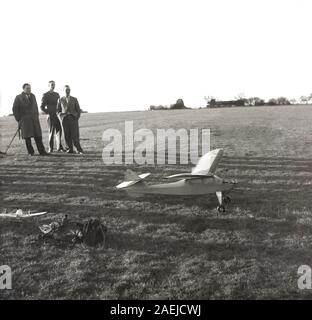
(39, 144)
(71, 132)
(55, 130)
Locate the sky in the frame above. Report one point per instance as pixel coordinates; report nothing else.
(123, 55)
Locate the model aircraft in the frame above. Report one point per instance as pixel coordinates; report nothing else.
(201, 181)
(21, 214)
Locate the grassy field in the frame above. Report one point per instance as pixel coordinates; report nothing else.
(160, 247)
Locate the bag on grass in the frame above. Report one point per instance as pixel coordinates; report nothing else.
(93, 233)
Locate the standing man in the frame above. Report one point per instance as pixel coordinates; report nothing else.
(25, 110)
(69, 112)
(48, 106)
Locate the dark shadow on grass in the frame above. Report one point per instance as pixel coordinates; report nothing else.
(164, 246)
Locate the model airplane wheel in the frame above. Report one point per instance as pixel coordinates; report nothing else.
(226, 199)
(221, 208)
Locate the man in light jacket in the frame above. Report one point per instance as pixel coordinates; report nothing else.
(69, 111)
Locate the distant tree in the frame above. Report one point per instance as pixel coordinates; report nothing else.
(251, 101)
(293, 101)
(255, 101)
(304, 99)
(259, 102)
(210, 100)
(241, 100)
(160, 107)
(178, 105)
(272, 102)
(282, 101)
(240, 96)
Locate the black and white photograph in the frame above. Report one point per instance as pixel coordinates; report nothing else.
(156, 151)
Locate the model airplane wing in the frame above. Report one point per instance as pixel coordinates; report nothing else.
(208, 163)
(188, 176)
(35, 214)
(21, 214)
(8, 215)
(132, 178)
(205, 167)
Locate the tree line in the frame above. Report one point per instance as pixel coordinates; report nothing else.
(178, 105)
(239, 101)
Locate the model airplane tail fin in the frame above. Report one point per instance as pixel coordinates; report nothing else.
(131, 175)
(131, 178)
(208, 163)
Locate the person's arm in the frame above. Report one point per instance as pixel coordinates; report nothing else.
(16, 109)
(58, 106)
(78, 109)
(44, 104)
(36, 104)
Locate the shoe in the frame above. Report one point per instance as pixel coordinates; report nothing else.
(50, 151)
(80, 152)
(45, 154)
(69, 151)
(30, 154)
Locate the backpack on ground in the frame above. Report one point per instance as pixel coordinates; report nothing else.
(93, 233)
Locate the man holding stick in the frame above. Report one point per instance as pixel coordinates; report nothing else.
(25, 110)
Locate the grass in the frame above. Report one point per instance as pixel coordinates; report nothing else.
(160, 247)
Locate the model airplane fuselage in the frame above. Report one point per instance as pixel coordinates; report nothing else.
(201, 181)
(197, 186)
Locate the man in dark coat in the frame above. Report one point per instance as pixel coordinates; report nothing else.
(48, 106)
(69, 112)
(25, 110)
